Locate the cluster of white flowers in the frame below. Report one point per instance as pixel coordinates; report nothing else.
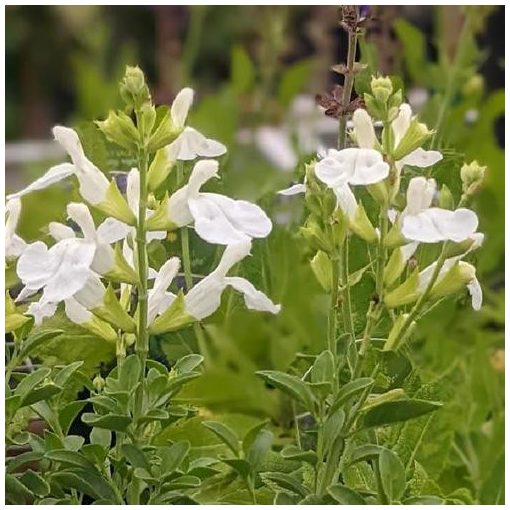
(72, 269)
(420, 221)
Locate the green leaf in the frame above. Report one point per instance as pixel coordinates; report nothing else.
(290, 385)
(182, 482)
(345, 496)
(423, 500)
(293, 81)
(398, 411)
(240, 466)
(332, 428)
(323, 369)
(393, 476)
(15, 491)
(188, 363)
(101, 437)
(129, 373)
(68, 413)
(69, 458)
(35, 483)
(29, 382)
(285, 482)
(84, 482)
(115, 422)
(43, 393)
(12, 405)
(365, 452)
(172, 457)
(259, 448)
(252, 434)
(292, 452)
(242, 71)
(33, 342)
(135, 456)
(226, 434)
(350, 390)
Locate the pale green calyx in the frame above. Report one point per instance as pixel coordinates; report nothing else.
(115, 205)
(382, 88)
(361, 225)
(414, 137)
(118, 128)
(472, 175)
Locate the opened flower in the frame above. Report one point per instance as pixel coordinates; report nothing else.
(14, 244)
(216, 218)
(190, 144)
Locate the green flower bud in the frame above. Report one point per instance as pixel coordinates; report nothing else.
(321, 266)
(316, 237)
(159, 169)
(120, 129)
(472, 176)
(394, 103)
(406, 293)
(397, 337)
(382, 88)
(146, 120)
(414, 138)
(454, 280)
(373, 107)
(446, 198)
(361, 225)
(133, 88)
(99, 383)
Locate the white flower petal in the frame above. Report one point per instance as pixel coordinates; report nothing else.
(40, 310)
(193, 144)
(421, 158)
(346, 200)
(36, 265)
(104, 259)
(295, 189)
(158, 298)
(76, 313)
(253, 298)
(25, 293)
(475, 290)
(364, 129)
(244, 216)
(112, 230)
(91, 295)
(74, 259)
(53, 175)
(420, 193)
(180, 107)
(408, 250)
(60, 231)
(14, 244)
(80, 214)
(458, 226)
(401, 123)
(133, 190)
(156, 235)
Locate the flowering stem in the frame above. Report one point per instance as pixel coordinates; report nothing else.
(142, 336)
(332, 319)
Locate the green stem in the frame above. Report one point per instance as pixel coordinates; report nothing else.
(348, 84)
(142, 335)
(333, 304)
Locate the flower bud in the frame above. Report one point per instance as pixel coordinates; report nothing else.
(406, 293)
(454, 280)
(397, 337)
(146, 119)
(315, 236)
(133, 88)
(119, 129)
(373, 107)
(394, 103)
(382, 88)
(159, 169)
(415, 136)
(446, 198)
(321, 266)
(472, 175)
(99, 383)
(361, 225)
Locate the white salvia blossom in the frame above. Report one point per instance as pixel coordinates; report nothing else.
(190, 144)
(59, 271)
(93, 184)
(14, 244)
(205, 297)
(216, 218)
(364, 133)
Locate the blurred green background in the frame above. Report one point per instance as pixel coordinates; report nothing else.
(256, 71)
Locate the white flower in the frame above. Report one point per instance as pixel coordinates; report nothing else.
(159, 298)
(93, 183)
(60, 271)
(295, 189)
(205, 297)
(276, 145)
(190, 144)
(366, 138)
(434, 225)
(216, 218)
(420, 193)
(14, 245)
(351, 166)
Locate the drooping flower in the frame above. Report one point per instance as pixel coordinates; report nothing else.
(216, 218)
(204, 299)
(94, 187)
(190, 144)
(14, 244)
